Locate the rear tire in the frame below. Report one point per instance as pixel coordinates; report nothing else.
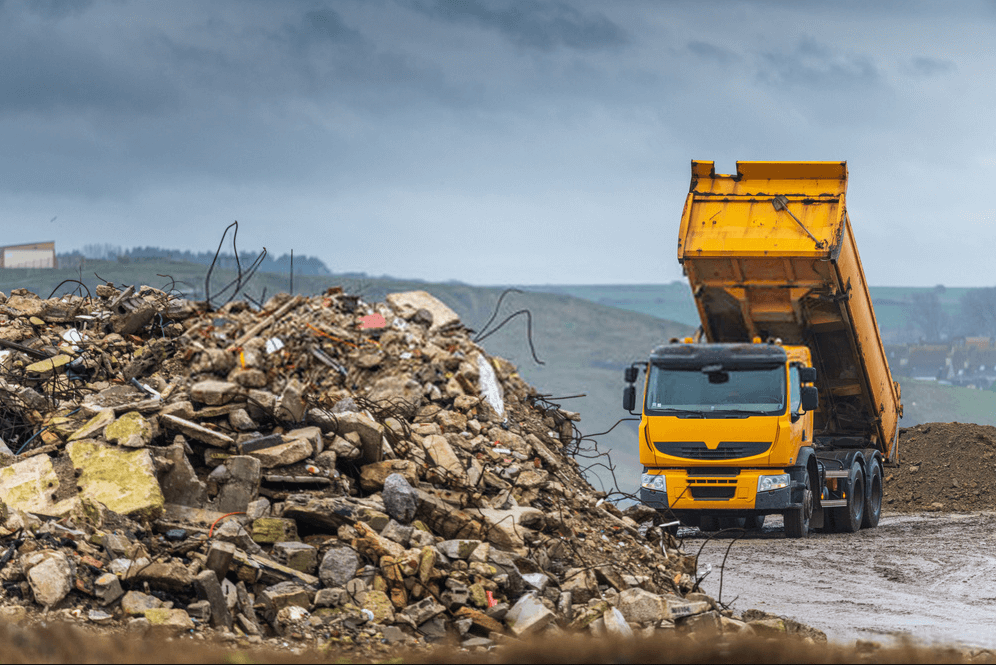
(873, 500)
(797, 519)
(848, 519)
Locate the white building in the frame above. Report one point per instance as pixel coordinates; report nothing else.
(30, 255)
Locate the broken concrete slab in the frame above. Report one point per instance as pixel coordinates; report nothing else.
(283, 454)
(409, 303)
(371, 433)
(528, 616)
(442, 454)
(124, 481)
(131, 430)
(214, 393)
(373, 476)
(196, 432)
(238, 483)
(33, 486)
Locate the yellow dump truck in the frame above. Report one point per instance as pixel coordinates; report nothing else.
(787, 405)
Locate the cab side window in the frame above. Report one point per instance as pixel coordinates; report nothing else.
(795, 390)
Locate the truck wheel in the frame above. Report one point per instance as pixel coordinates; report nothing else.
(873, 501)
(848, 519)
(755, 522)
(797, 519)
(709, 523)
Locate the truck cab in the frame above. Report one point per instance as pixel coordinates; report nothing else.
(709, 405)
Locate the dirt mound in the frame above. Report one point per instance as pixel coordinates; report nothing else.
(948, 467)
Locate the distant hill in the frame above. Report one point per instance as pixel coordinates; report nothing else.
(584, 345)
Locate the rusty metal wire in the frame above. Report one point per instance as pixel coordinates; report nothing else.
(485, 332)
(242, 277)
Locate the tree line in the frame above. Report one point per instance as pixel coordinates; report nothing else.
(975, 315)
(303, 264)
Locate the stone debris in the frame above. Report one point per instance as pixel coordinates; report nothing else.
(323, 469)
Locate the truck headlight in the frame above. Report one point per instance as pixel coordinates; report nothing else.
(768, 483)
(654, 482)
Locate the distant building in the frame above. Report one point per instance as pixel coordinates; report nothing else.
(30, 255)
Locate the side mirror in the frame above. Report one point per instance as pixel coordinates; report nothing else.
(631, 374)
(807, 374)
(810, 398)
(629, 398)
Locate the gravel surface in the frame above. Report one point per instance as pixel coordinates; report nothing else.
(930, 577)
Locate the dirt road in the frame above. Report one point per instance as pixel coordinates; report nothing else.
(928, 576)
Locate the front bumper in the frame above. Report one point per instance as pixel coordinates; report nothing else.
(742, 490)
(653, 498)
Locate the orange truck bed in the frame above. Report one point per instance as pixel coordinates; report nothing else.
(769, 253)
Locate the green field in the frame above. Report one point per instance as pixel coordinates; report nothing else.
(930, 402)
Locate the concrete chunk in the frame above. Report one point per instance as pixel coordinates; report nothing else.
(642, 607)
(408, 303)
(284, 454)
(123, 480)
(49, 576)
(528, 616)
(373, 476)
(442, 454)
(214, 393)
(32, 486)
(197, 432)
(458, 549)
(209, 589)
(370, 432)
(131, 429)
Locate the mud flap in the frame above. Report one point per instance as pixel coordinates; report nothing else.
(816, 521)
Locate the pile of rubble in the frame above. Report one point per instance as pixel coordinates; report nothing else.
(323, 470)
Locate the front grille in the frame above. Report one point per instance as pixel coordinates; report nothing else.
(725, 450)
(712, 493)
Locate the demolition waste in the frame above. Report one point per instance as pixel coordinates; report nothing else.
(323, 471)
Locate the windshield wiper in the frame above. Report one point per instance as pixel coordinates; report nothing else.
(721, 413)
(683, 413)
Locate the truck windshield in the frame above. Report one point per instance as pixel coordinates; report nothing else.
(716, 392)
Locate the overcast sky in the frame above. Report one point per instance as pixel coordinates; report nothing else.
(492, 141)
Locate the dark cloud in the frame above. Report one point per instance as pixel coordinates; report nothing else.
(926, 67)
(322, 27)
(58, 9)
(814, 65)
(466, 139)
(712, 52)
(43, 73)
(539, 25)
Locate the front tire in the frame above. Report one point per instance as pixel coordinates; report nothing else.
(797, 519)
